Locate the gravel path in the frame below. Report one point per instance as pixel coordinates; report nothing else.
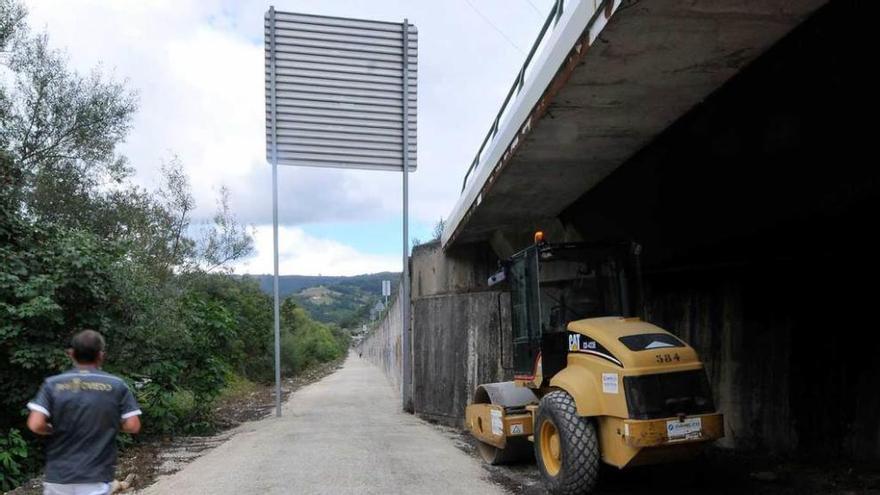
(343, 434)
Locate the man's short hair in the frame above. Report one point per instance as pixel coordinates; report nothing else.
(87, 346)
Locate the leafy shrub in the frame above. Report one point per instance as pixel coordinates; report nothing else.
(305, 342)
(13, 457)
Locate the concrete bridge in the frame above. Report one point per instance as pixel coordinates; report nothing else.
(729, 138)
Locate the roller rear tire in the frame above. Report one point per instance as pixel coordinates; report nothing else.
(566, 446)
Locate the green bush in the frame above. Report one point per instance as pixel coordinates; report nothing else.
(175, 339)
(305, 342)
(13, 460)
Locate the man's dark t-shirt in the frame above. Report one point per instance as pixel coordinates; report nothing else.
(85, 407)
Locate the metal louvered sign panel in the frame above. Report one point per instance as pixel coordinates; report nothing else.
(335, 91)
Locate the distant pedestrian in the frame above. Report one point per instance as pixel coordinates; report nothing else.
(80, 412)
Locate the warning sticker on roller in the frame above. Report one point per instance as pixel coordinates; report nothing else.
(497, 422)
(516, 429)
(610, 383)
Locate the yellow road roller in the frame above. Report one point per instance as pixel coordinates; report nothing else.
(593, 382)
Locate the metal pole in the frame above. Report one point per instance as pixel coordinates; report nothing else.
(276, 309)
(406, 383)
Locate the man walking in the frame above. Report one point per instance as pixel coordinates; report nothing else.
(81, 411)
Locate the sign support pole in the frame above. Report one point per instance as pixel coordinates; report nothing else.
(276, 302)
(406, 382)
(288, 92)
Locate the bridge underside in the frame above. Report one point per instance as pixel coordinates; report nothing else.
(756, 214)
(652, 63)
(756, 209)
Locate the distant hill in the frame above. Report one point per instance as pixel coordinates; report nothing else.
(292, 284)
(345, 301)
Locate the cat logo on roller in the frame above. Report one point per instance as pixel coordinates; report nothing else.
(589, 368)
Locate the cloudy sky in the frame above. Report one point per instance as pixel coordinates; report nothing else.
(197, 66)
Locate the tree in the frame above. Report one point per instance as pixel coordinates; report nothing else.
(60, 128)
(175, 208)
(226, 240)
(213, 246)
(12, 16)
(436, 233)
(438, 230)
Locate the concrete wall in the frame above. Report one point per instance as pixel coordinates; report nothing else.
(436, 272)
(460, 331)
(747, 361)
(459, 341)
(382, 346)
(786, 363)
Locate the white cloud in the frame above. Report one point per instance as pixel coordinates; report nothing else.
(303, 254)
(197, 66)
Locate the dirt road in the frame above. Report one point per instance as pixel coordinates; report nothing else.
(343, 434)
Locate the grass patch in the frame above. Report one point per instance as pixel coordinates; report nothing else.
(237, 386)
